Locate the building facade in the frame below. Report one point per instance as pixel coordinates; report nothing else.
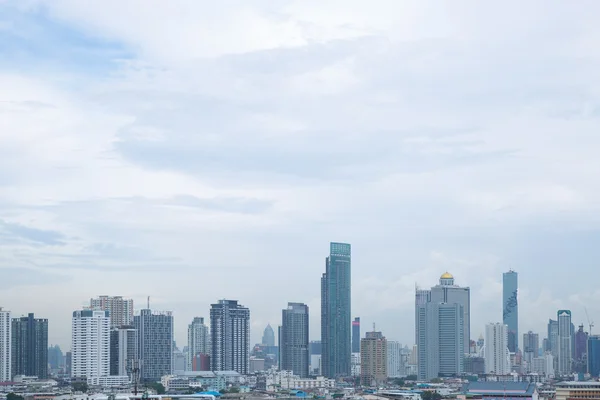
(356, 335)
(120, 309)
(510, 309)
(336, 319)
(578, 390)
(552, 337)
(198, 341)
(496, 354)
(395, 366)
(593, 359)
(90, 345)
(30, 346)
(5, 346)
(123, 350)
(565, 355)
(373, 359)
(295, 355)
(268, 338)
(531, 347)
(580, 346)
(230, 337)
(155, 343)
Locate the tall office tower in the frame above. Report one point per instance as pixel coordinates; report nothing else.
(422, 296)
(581, 339)
(497, 358)
(155, 343)
(90, 345)
(294, 339)
(56, 359)
(440, 346)
(121, 310)
(336, 359)
(565, 355)
(356, 335)
(531, 345)
(5, 346)
(198, 341)
(395, 366)
(30, 346)
(123, 350)
(373, 359)
(510, 309)
(230, 336)
(268, 338)
(553, 337)
(593, 359)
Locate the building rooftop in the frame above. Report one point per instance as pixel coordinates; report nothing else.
(447, 275)
(495, 388)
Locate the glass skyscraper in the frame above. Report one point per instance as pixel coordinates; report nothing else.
(356, 335)
(565, 347)
(335, 312)
(510, 308)
(294, 339)
(593, 348)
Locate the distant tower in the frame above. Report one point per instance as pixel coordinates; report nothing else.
(565, 334)
(121, 310)
(531, 344)
(294, 339)
(356, 335)
(90, 345)
(497, 359)
(373, 359)
(155, 343)
(198, 341)
(30, 346)
(510, 309)
(230, 337)
(268, 338)
(5, 346)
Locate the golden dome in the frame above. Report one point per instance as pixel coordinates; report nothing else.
(446, 275)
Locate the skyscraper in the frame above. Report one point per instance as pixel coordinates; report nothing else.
(395, 367)
(121, 310)
(356, 335)
(56, 359)
(5, 346)
(30, 346)
(497, 359)
(335, 312)
(593, 359)
(198, 341)
(123, 350)
(510, 309)
(155, 343)
(230, 336)
(90, 345)
(565, 355)
(268, 338)
(553, 337)
(294, 339)
(580, 355)
(531, 344)
(373, 359)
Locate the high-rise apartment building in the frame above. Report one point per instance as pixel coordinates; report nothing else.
(155, 343)
(442, 316)
(373, 359)
(510, 309)
(90, 345)
(593, 359)
(30, 346)
(496, 354)
(553, 337)
(395, 365)
(5, 346)
(580, 355)
(565, 335)
(268, 338)
(123, 350)
(356, 335)
(230, 337)
(120, 309)
(198, 341)
(336, 359)
(531, 346)
(294, 349)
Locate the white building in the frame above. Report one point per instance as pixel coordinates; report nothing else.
(544, 365)
(395, 367)
(90, 345)
(121, 310)
(565, 356)
(5, 346)
(198, 340)
(497, 357)
(286, 380)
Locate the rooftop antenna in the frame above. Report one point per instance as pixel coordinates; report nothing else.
(373, 326)
(148, 302)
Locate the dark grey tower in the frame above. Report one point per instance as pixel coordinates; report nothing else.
(155, 343)
(294, 339)
(30, 346)
(335, 312)
(510, 309)
(230, 335)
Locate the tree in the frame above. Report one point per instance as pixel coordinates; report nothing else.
(436, 380)
(411, 378)
(80, 387)
(12, 396)
(429, 395)
(157, 387)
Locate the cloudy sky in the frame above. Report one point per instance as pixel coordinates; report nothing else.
(197, 150)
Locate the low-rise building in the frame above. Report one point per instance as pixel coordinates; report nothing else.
(589, 390)
(500, 390)
(286, 380)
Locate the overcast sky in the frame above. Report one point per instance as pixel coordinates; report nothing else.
(197, 150)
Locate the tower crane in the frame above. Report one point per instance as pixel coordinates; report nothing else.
(590, 323)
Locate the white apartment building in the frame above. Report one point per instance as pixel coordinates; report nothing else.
(198, 340)
(121, 310)
(497, 357)
(90, 345)
(286, 380)
(395, 367)
(5, 346)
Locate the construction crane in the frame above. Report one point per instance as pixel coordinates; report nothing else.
(590, 323)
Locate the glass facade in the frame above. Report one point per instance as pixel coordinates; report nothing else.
(565, 334)
(294, 339)
(593, 348)
(510, 309)
(155, 343)
(356, 335)
(30, 346)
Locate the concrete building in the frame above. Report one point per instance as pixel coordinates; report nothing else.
(565, 355)
(155, 343)
(474, 365)
(531, 345)
(552, 337)
(5, 346)
(499, 390)
(198, 341)
(120, 309)
(268, 338)
(593, 359)
(356, 335)
(587, 390)
(90, 345)
(123, 350)
(395, 366)
(30, 346)
(580, 346)
(293, 346)
(230, 336)
(496, 354)
(543, 365)
(336, 320)
(373, 359)
(510, 309)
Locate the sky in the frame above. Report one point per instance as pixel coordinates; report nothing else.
(193, 151)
